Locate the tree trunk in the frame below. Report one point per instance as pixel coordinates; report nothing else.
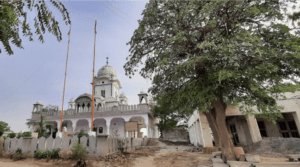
(226, 144)
(213, 126)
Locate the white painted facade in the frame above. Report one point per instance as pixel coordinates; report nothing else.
(111, 110)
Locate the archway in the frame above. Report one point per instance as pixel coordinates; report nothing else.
(100, 126)
(117, 127)
(141, 125)
(68, 125)
(82, 124)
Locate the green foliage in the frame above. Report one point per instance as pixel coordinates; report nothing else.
(3, 127)
(27, 134)
(78, 151)
(49, 154)
(18, 155)
(43, 128)
(4, 137)
(81, 134)
(121, 143)
(14, 16)
(167, 115)
(201, 51)
(1, 148)
(11, 135)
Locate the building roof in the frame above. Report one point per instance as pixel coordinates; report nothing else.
(107, 71)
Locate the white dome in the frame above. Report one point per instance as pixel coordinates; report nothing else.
(39, 102)
(122, 95)
(143, 92)
(72, 100)
(106, 71)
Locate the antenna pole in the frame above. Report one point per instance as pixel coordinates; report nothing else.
(62, 106)
(93, 104)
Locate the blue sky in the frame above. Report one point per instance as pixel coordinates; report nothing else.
(37, 71)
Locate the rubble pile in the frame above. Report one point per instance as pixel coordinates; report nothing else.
(195, 149)
(275, 147)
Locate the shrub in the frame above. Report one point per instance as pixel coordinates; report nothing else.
(78, 151)
(19, 135)
(11, 135)
(49, 154)
(1, 148)
(18, 155)
(26, 134)
(65, 154)
(4, 137)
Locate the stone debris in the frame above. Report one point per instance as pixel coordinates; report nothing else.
(252, 158)
(218, 153)
(217, 160)
(239, 164)
(80, 163)
(215, 164)
(195, 149)
(293, 157)
(242, 157)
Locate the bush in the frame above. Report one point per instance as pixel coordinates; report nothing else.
(49, 154)
(27, 134)
(18, 155)
(1, 148)
(4, 137)
(78, 151)
(11, 135)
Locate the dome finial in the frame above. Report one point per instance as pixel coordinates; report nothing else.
(107, 60)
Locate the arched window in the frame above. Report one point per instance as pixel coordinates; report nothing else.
(83, 107)
(78, 108)
(88, 107)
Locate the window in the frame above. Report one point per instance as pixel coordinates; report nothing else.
(103, 93)
(288, 128)
(235, 138)
(100, 129)
(95, 129)
(103, 82)
(262, 128)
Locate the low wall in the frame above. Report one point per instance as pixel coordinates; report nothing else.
(99, 145)
(175, 134)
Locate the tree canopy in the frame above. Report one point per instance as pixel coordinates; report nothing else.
(13, 16)
(236, 51)
(43, 127)
(168, 118)
(3, 127)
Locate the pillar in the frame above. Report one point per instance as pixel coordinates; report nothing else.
(199, 132)
(205, 131)
(74, 127)
(296, 116)
(108, 133)
(254, 130)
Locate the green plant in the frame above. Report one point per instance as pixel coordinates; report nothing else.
(11, 135)
(1, 148)
(49, 154)
(4, 137)
(43, 127)
(18, 155)
(19, 135)
(121, 144)
(145, 136)
(27, 134)
(78, 151)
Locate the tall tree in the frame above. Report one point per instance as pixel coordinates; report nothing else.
(3, 127)
(209, 55)
(43, 127)
(13, 16)
(168, 118)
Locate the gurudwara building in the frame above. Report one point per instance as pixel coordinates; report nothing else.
(112, 114)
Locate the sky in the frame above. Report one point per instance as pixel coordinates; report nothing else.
(37, 71)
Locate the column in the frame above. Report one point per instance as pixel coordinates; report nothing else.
(200, 134)
(296, 116)
(127, 134)
(74, 126)
(108, 130)
(197, 132)
(254, 130)
(194, 132)
(136, 134)
(205, 131)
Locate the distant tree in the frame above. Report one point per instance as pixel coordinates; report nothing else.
(43, 127)
(13, 16)
(209, 55)
(167, 116)
(11, 135)
(3, 127)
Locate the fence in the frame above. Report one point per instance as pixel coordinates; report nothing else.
(99, 145)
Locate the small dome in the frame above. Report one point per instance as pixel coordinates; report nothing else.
(122, 95)
(143, 92)
(107, 71)
(39, 102)
(72, 100)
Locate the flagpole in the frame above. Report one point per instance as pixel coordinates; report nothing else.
(62, 106)
(93, 90)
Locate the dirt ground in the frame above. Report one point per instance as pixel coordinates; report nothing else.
(174, 156)
(160, 155)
